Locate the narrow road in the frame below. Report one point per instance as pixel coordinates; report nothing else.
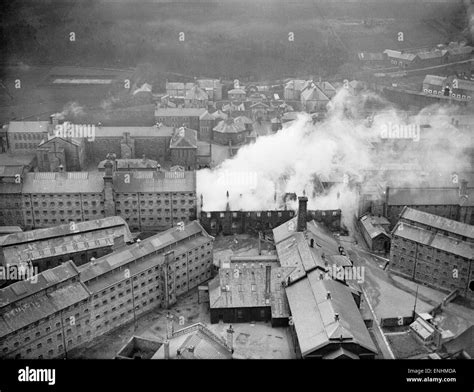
(355, 250)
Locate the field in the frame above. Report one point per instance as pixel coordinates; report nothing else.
(228, 39)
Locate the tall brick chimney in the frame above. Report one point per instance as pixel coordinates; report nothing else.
(302, 212)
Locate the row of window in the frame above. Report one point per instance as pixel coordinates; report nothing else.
(61, 204)
(440, 92)
(156, 195)
(25, 146)
(155, 202)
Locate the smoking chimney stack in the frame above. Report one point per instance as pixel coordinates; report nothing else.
(302, 212)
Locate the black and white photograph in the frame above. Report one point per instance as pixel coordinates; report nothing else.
(246, 180)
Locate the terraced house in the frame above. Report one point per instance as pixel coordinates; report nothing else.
(69, 305)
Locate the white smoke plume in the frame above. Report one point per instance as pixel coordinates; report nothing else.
(342, 149)
(70, 110)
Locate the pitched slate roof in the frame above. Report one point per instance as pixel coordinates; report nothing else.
(431, 55)
(460, 50)
(438, 222)
(144, 248)
(296, 84)
(28, 126)
(25, 288)
(149, 181)
(314, 315)
(179, 112)
(61, 230)
(26, 313)
(11, 170)
(229, 126)
(245, 287)
(427, 196)
(184, 138)
(67, 182)
(399, 55)
(372, 228)
(435, 240)
(196, 93)
(236, 91)
(435, 80)
(154, 131)
(59, 240)
(314, 93)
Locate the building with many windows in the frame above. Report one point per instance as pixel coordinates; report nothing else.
(69, 306)
(434, 250)
(25, 136)
(194, 118)
(146, 200)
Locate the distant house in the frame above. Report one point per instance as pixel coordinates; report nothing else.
(314, 99)
(196, 98)
(237, 94)
(368, 58)
(178, 89)
(25, 136)
(244, 120)
(182, 117)
(230, 131)
(448, 86)
(401, 59)
(293, 88)
(219, 115)
(259, 110)
(212, 87)
(206, 123)
(183, 148)
(432, 58)
(458, 52)
(327, 88)
(436, 85)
